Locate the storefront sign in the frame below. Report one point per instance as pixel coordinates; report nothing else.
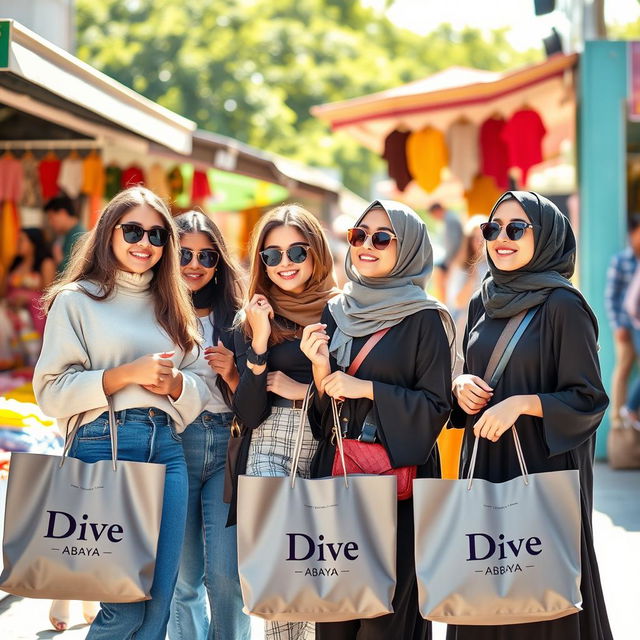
(634, 81)
(5, 43)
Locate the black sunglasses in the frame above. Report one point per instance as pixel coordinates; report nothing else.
(515, 230)
(296, 253)
(133, 232)
(356, 237)
(208, 258)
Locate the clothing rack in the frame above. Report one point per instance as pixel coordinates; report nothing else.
(50, 144)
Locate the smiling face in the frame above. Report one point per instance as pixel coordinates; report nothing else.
(140, 256)
(510, 255)
(288, 275)
(194, 274)
(369, 261)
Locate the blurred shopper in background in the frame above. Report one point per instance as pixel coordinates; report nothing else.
(65, 223)
(451, 240)
(466, 272)
(209, 564)
(626, 338)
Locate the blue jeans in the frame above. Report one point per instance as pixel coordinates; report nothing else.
(144, 435)
(209, 564)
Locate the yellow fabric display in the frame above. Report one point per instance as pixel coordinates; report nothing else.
(427, 156)
(482, 195)
(93, 179)
(9, 231)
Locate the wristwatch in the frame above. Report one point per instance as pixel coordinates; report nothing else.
(256, 358)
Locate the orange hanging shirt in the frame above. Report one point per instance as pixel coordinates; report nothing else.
(427, 156)
(482, 196)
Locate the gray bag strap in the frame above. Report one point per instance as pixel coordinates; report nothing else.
(113, 430)
(500, 356)
(297, 449)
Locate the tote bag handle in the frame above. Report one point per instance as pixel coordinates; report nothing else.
(502, 352)
(113, 430)
(297, 450)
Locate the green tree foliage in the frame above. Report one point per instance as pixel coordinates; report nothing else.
(252, 69)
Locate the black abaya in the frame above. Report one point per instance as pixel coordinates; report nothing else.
(556, 359)
(411, 372)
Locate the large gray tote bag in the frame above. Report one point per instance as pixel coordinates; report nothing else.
(321, 550)
(81, 531)
(498, 553)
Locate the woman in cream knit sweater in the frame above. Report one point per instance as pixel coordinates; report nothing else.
(120, 325)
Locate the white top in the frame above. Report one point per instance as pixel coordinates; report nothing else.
(84, 337)
(216, 403)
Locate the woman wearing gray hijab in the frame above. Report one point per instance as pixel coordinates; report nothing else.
(402, 387)
(551, 387)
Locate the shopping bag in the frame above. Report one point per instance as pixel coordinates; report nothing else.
(321, 550)
(498, 553)
(81, 531)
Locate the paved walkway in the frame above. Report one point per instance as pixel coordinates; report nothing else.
(617, 533)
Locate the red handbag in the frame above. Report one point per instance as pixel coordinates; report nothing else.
(364, 455)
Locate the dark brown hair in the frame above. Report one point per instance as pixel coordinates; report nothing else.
(93, 259)
(287, 215)
(227, 291)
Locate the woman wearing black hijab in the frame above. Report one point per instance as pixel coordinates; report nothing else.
(551, 387)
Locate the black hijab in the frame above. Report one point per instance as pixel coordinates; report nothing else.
(507, 293)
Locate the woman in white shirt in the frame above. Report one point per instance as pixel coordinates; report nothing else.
(121, 326)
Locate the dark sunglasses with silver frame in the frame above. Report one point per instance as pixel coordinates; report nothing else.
(133, 232)
(515, 230)
(208, 258)
(297, 253)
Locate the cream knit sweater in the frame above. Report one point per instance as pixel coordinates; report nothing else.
(84, 337)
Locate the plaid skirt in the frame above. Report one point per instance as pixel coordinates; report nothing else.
(271, 455)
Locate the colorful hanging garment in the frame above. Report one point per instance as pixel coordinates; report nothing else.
(49, 169)
(9, 231)
(427, 156)
(200, 188)
(93, 175)
(157, 182)
(31, 194)
(131, 176)
(494, 158)
(70, 176)
(112, 181)
(462, 138)
(523, 135)
(395, 153)
(482, 195)
(11, 178)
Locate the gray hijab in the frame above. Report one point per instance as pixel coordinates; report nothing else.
(367, 305)
(507, 293)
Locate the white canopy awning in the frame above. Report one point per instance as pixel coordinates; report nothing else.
(44, 65)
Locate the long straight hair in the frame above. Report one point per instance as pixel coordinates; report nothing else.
(287, 215)
(93, 260)
(226, 293)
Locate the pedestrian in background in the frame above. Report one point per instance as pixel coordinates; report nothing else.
(209, 565)
(291, 280)
(65, 223)
(450, 237)
(626, 338)
(120, 325)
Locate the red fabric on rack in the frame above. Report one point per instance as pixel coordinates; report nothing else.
(523, 135)
(200, 188)
(131, 176)
(11, 177)
(494, 160)
(49, 170)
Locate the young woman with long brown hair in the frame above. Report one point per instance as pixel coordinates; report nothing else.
(291, 280)
(209, 565)
(121, 326)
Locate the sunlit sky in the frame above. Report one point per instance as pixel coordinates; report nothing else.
(527, 29)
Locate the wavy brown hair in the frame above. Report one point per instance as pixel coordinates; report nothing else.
(288, 215)
(93, 259)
